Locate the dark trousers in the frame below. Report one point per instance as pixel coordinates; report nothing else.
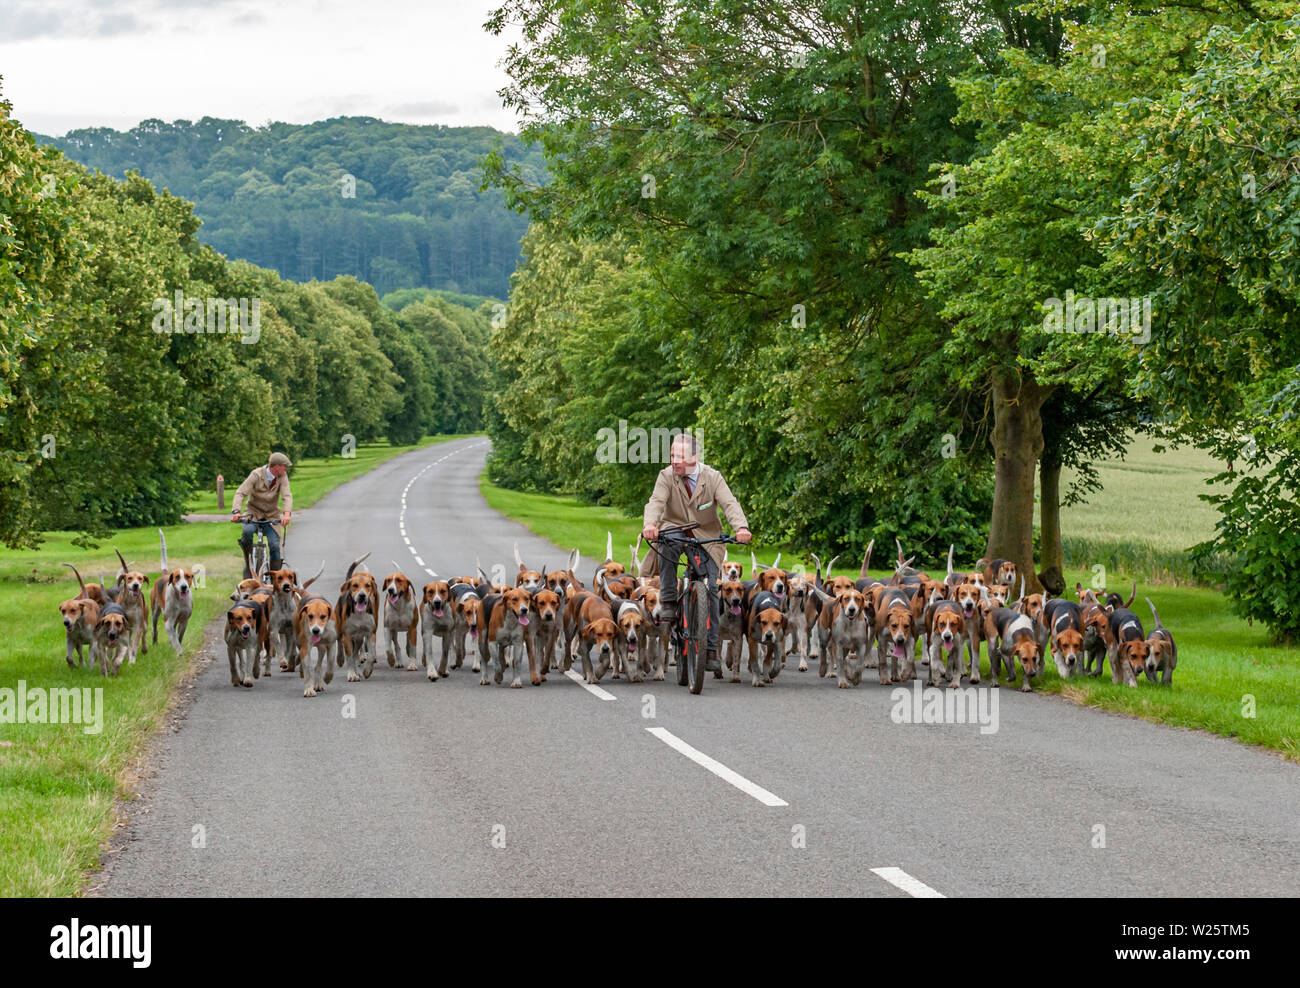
(668, 560)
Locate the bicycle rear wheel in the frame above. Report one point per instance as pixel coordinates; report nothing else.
(697, 616)
(259, 556)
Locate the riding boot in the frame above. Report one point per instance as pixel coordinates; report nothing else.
(711, 663)
(276, 564)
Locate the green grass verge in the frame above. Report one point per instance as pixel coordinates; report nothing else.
(312, 477)
(1227, 669)
(58, 783)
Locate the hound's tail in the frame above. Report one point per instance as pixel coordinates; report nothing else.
(79, 579)
(316, 577)
(162, 543)
(1159, 626)
(355, 563)
(866, 559)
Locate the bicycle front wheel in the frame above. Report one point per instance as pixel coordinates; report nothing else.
(697, 616)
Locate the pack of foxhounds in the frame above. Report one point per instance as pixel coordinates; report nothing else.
(619, 625)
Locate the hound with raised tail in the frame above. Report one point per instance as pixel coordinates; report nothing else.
(285, 595)
(609, 569)
(1128, 649)
(529, 579)
(812, 606)
(401, 620)
(129, 594)
(354, 617)
(1097, 635)
(799, 586)
(731, 569)
(91, 591)
(1162, 653)
(172, 598)
(967, 596)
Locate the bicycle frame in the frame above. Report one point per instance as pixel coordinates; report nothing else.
(690, 633)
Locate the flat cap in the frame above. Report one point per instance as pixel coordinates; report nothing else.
(279, 459)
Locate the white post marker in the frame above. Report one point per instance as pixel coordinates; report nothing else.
(914, 887)
(717, 768)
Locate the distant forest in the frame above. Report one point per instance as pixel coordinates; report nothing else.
(395, 205)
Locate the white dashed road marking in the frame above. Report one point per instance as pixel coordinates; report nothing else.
(593, 690)
(914, 887)
(717, 768)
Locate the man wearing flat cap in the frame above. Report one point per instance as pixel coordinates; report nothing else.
(263, 489)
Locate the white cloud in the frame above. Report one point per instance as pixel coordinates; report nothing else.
(83, 63)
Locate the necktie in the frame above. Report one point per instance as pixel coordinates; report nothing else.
(690, 488)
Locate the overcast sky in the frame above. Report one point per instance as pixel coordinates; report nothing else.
(113, 63)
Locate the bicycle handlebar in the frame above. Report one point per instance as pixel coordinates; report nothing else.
(670, 534)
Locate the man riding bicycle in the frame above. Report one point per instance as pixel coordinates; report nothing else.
(688, 494)
(263, 489)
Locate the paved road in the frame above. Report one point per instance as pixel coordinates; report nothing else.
(414, 795)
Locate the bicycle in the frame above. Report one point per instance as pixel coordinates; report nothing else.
(258, 553)
(690, 635)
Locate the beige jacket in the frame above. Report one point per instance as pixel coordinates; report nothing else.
(263, 497)
(669, 505)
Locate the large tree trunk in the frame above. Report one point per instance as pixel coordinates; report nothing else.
(1017, 444)
(1050, 552)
